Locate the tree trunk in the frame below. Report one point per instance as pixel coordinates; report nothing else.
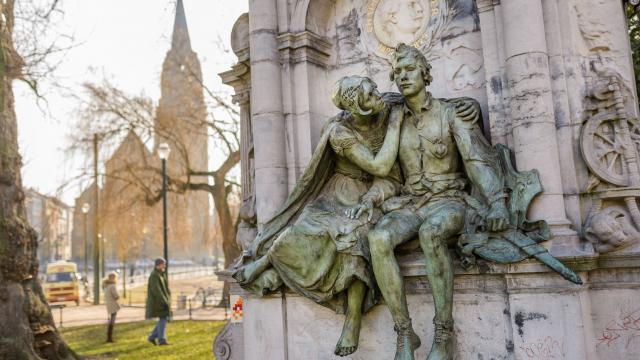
(27, 329)
(227, 227)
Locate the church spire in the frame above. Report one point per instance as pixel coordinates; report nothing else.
(180, 30)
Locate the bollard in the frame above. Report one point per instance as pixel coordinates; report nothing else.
(189, 309)
(60, 307)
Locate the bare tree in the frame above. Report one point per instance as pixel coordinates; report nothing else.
(113, 114)
(28, 330)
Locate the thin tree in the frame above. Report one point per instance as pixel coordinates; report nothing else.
(28, 330)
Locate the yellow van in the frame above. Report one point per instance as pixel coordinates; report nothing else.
(62, 282)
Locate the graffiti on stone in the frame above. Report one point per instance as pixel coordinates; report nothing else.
(623, 329)
(547, 348)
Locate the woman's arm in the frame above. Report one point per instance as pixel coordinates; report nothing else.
(380, 164)
(114, 293)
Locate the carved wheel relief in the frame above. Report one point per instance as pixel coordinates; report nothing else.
(603, 143)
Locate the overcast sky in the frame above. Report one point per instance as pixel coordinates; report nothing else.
(124, 41)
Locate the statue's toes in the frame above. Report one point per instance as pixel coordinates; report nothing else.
(345, 350)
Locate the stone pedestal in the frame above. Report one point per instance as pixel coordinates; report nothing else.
(501, 312)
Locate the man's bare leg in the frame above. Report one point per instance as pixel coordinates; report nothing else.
(389, 233)
(348, 343)
(388, 276)
(434, 234)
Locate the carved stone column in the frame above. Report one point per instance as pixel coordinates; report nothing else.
(304, 58)
(489, 13)
(532, 113)
(239, 77)
(247, 228)
(266, 109)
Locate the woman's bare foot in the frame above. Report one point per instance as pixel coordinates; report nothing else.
(348, 343)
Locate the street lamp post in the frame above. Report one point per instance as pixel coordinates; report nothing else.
(163, 153)
(85, 211)
(103, 249)
(96, 224)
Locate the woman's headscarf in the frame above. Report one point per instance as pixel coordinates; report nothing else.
(346, 94)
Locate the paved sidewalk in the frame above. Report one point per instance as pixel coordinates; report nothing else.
(73, 315)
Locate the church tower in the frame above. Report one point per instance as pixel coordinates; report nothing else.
(181, 122)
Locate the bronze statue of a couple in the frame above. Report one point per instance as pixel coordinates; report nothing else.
(388, 169)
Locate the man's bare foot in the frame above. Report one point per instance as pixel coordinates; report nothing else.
(348, 343)
(407, 342)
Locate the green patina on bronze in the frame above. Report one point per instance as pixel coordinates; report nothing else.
(389, 170)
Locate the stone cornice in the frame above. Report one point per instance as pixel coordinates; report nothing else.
(487, 5)
(238, 77)
(304, 47)
(530, 276)
(242, 97)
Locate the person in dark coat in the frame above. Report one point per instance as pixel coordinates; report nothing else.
(158, 302)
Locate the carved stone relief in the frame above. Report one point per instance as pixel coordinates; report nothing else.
(467, 63)
(610, 144)
(591, 23)
(446, 31)
(348, 38)
(419, 23)
(611, 229)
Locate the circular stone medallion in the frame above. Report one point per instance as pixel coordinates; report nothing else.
(390, 22)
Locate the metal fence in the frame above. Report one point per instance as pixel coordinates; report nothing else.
(205, 303)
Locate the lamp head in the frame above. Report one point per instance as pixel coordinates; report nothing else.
(85, 208)
(163, 151)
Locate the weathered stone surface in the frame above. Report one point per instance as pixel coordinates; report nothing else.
(534, 316)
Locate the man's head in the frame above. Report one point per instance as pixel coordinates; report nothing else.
(606, 233)
(410, 70)
(161, 264)
(113, 276)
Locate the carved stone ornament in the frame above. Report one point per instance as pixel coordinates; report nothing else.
(228, 345)
(610, 143)
(611, 229)
(416, 22)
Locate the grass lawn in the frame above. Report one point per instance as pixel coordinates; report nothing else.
(188, 339)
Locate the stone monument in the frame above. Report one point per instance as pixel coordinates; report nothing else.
(553, 82)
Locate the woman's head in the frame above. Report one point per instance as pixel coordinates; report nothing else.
(111, 278)
(358, 95)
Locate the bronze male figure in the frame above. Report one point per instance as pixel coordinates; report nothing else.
(440, 153)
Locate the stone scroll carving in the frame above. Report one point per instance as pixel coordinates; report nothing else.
(228, 345)
(610, 143)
